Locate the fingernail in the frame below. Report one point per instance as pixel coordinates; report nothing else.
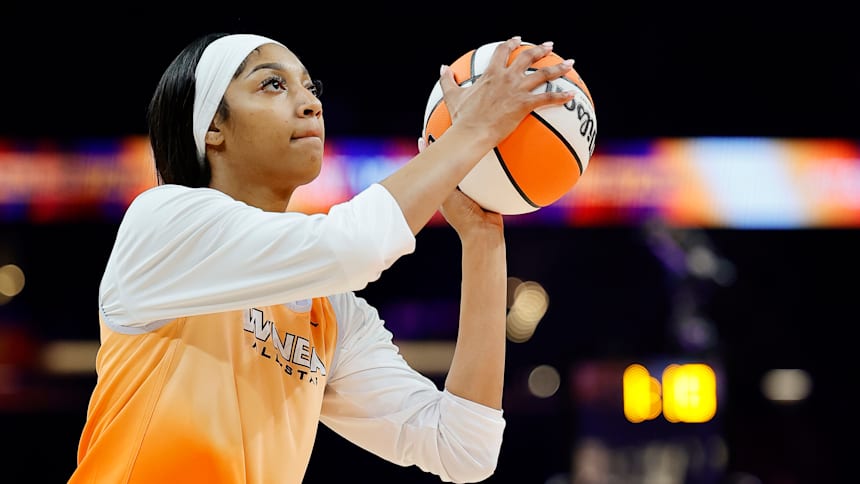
(443, 69)
(568, 62)
(548, 44)
(516, 37)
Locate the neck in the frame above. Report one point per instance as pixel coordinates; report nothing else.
(264, 197)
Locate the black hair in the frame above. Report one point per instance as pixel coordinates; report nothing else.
(170, 118)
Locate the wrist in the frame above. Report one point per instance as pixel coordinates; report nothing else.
(482, 239)
(475, 141)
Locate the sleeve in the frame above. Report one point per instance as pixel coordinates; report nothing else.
(182, 251)
(377, 401)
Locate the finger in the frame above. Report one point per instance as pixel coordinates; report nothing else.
(502, 53)
(550, 98)
(548, 73)
(446, 79)
(529, 56)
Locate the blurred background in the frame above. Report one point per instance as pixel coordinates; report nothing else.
(684, 315)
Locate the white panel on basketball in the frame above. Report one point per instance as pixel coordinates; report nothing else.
(432, 102)
(482, 57)
(559, 118)
(489, 185)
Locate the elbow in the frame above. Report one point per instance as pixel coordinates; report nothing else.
(478, 472)
(469, 439)
(360, 265)
(475, 463)
(367, 236)
(362, 259)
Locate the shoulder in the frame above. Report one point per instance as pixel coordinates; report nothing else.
(163, 203)
(157, 196)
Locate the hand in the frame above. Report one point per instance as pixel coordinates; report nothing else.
(468, 219)
(503, 95)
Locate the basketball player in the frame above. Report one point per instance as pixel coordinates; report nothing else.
(229, 326)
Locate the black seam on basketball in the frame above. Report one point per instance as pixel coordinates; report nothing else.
(511, 178)
(561, 138)
(470, 80)
(472, 64)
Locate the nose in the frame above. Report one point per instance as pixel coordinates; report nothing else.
(309, 105)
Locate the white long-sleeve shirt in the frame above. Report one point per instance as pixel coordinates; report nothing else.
(228, 333)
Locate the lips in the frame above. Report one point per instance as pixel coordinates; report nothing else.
(308, 134)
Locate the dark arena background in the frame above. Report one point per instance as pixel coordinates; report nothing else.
(715, 227)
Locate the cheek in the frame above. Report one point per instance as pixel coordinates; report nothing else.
(262, 131)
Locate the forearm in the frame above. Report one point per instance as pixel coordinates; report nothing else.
(478, 366)
(424, 182)
(376, 400)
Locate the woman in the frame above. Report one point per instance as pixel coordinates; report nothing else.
(229, 326)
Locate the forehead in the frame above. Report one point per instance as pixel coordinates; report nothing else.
(272, 54)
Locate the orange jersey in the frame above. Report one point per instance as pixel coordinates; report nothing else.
(212, 399)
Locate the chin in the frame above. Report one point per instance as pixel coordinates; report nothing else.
(312, 173)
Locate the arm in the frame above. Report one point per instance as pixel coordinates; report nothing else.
(375, 400)
(483, 115)
(182, 251)
(477, 369)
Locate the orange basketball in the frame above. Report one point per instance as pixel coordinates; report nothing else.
(542, 159)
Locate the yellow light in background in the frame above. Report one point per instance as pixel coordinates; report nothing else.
(528, 302)
(11, 281)
(69, 357)
(641, 394)
(689, 393)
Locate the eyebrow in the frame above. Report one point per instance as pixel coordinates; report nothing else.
(277, 66)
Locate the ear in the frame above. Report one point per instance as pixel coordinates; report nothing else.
(214, 136)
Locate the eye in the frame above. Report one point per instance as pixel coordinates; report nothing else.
(315, 87)
(276, 82)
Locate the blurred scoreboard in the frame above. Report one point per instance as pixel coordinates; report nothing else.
(686, 182)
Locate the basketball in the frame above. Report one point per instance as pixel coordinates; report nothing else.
(542, 159)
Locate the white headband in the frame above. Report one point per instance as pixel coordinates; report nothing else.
(214, 72)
